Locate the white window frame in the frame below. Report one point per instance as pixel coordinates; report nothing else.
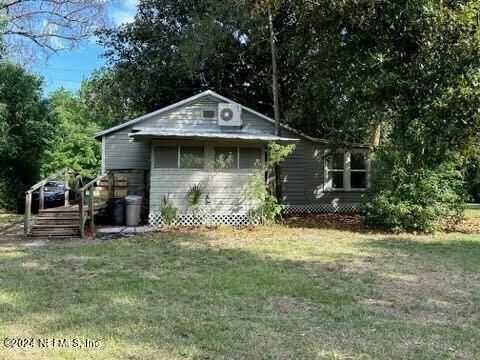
(347, 171)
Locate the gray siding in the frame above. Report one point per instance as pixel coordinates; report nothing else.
(191, 115)
(303, 177)
(302, 171)
(121, 152)
(224, 187)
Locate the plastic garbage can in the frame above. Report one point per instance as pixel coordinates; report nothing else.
(134, 206)
(117, 208)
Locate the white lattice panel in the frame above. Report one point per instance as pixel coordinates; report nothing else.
(156, 220)
(323, 208)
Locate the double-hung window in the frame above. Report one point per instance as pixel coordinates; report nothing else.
(335, 170)
(358, 171)
(346, 171)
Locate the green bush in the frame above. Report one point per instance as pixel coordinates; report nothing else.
(167, 210)
(421, 200)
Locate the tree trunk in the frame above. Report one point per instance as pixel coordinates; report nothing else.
(276, 105)
(273, 49)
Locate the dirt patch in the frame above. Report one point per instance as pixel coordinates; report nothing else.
(286, 305)
(469, 225)
(346, 222)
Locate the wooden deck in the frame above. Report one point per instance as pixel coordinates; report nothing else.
(98, 207)
(64, 221)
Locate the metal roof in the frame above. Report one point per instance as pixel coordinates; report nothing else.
(183, 133)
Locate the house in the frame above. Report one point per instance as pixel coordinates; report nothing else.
(207, 125)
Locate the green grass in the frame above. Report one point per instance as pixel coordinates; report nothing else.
(268, 293)
(472, 210)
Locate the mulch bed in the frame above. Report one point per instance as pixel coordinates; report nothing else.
(352, 222)
(348, 222)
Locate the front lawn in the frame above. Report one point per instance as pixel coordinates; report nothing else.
(267, 293)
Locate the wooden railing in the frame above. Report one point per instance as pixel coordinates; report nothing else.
(91, 202)
(40, 186)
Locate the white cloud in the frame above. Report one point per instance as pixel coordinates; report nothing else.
(125, 12)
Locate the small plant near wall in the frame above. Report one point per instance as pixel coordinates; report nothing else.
(168, 211)
(266, 208)
(194, 197)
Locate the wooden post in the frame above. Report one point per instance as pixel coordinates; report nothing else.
(28, 212)
(110, 185)
(67, 190)
(81, 214)
(91, 209)
(142, 192)
(41, 198)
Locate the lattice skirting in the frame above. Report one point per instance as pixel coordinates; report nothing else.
(156, 220)
(347, 208)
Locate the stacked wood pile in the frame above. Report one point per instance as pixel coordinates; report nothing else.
(112, 186)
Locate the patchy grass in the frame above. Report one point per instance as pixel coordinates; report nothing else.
(266, 293)
(9, 219)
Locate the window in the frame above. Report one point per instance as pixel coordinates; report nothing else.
(226, 157)
(208, 114)
(335, 171)
(346, 171)
(358, 171)
(192, 157)
(249, 157)
(166, 157)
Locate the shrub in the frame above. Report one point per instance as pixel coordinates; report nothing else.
(415, 200)
(168, 210)
(266, 206)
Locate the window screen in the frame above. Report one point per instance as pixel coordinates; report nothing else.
(358, 179)
(208, 114)
(358, 171)
(192, 157)
(249, 157)
(336, 166)
(337, 161)
(358, 162)
(166, 157)
(226, 157)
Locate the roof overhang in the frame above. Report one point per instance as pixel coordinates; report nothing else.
(219, 97)
(155, 133)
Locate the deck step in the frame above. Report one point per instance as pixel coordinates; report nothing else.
(58, 221)
(55, 226)
(69, 232)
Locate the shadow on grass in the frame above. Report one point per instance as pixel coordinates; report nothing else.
(177, 294)
(460, 253)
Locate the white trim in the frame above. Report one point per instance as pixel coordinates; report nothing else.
(103, 155)
(347, 173)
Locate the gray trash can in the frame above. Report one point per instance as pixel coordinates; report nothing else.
(134, 206)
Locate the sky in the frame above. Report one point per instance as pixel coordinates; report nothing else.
(66, 69)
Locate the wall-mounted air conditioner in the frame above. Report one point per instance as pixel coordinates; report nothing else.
(229, 114)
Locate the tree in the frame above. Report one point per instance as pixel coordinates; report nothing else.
(74, 145)
(105, 100)
(49, 25)
(26, 125)
(411, 66)
(174, 50)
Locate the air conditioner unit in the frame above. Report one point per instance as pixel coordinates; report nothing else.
(229, 114)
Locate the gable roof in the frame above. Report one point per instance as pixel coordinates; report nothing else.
(188, 100)
(213, 94)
